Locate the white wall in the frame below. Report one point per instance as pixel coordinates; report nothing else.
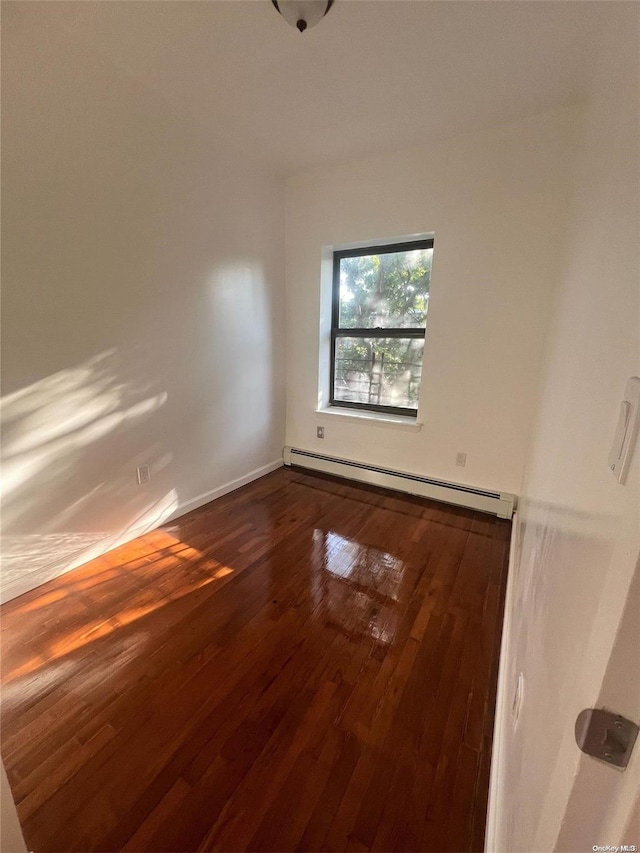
(579, 530)
(497, 202)
(142, 304)
(11, 839)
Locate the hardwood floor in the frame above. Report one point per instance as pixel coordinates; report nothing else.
(303, 664)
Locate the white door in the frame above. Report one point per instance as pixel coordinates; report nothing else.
(604, 806)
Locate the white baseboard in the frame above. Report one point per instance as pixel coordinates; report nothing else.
(195, 503)
(495, 830)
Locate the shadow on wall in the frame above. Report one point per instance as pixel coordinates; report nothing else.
(70, 448)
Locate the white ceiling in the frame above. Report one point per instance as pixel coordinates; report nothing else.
(371, 77)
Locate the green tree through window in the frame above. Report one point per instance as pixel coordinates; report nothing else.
(380, 305)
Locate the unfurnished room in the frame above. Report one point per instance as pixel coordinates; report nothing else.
(319, 417)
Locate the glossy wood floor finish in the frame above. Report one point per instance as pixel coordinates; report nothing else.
(303, 664)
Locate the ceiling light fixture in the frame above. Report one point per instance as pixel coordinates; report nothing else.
(302, 14)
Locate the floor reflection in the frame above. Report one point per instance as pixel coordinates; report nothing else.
(281, 632)
(360, 586)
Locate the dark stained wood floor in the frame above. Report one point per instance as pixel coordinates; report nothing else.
(303, 664)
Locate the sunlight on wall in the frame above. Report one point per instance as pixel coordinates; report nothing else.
(45, 422)
(52, 446)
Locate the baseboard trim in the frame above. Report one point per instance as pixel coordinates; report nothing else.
(497, 503)
(206, 497)
(494, 834)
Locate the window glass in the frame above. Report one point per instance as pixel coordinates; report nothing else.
(378, 371)
(389, 290)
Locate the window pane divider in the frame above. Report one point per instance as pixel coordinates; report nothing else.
(378, 332)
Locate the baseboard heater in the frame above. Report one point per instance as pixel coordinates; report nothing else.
(501, 504)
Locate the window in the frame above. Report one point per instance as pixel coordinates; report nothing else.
(379, 317)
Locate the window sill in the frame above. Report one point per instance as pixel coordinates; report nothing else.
(379, 419)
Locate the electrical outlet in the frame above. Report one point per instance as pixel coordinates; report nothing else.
(143, 474)
(320, 432)
(461, 459)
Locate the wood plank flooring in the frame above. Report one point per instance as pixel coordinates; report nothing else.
(304, 664)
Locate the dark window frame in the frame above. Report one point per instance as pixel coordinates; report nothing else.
(377, 332)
